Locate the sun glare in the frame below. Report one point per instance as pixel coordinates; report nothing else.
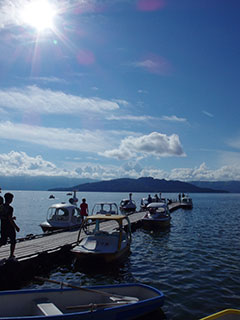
(39, 14)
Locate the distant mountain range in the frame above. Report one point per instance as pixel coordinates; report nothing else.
(117, 185)
(147, 184)
(39, 182)
(230, 186)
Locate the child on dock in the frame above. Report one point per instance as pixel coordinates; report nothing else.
(8, 225)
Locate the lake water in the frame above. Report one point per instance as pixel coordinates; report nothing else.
(196, 263)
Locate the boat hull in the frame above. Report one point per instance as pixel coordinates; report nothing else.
(29, 304)
(102, 258)
(156, 223)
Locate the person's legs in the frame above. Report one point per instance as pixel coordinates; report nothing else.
(12, 237)
(3, 239)
(12, 249)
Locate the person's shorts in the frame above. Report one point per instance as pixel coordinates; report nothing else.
(8, 233)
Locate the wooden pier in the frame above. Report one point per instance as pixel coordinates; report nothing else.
(39, 252)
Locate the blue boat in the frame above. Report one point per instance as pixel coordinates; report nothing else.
(123, 301)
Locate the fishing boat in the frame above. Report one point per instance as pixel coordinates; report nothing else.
(227, 314)
(157, 216)
(186, 202)
(128, 205)
(104, 208)
(95, 242)
(62, 216)
(121, 301)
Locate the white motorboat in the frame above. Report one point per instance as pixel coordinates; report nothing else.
(186, 202)
(146, 201)
(157, 216)
(95, 242)
(62, 216)
(118, 301)
(104, 208)
(128, 205)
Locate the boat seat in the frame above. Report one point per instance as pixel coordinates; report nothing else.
(47, 308)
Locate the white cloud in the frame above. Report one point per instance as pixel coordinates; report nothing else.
(155, 144)
(154, 64)
(235, 142)
(46, 101)
(173, 118)
(121, 101)
(62, 139)
(49, 79)
(203, 173)
(207, 114)
(20, 164)
(142, 91)
(130, 118)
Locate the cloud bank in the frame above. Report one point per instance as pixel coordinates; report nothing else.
(21, 164)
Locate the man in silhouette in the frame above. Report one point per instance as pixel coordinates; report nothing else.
(8, 225)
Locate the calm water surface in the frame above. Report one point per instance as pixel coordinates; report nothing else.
(196, 263)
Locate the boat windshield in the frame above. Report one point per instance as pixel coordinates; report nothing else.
(57, 213)
(105, 208)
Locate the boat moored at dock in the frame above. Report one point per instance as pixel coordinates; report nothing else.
(62, 216)
(107, 208)
(157, 216)
(186, 202)
(101, 245)
(128, 205)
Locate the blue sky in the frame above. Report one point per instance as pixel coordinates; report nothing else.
(106, 89)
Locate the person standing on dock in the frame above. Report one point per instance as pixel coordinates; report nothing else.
(84, 208)
(179, 197)
(8, 225)
(149, 199)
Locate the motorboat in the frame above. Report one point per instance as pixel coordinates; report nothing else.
(105, 238)
(157, 216)
(128, 205)
(146, 201)
(62, 216)
(105, 208)
(186, 202)
(119, 301)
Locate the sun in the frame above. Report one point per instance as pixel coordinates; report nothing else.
(39, 14)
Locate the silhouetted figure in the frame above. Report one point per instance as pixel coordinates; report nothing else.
(179, 197)
(149, 198)
(8, 225)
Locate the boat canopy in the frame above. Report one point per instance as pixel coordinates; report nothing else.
(105, 208)
(62, 211)
(156, 205)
